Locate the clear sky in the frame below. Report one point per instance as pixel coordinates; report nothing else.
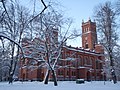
(78, 10)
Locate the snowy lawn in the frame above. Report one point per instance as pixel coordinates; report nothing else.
(62, 85)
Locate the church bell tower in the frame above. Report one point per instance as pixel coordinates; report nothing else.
(89, 35)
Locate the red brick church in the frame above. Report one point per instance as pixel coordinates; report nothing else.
(85, 62)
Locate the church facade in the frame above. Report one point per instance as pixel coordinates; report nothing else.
(85, 62)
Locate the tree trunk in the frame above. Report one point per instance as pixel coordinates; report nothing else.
(114, 79)
(112, 70)
(113, 76)
(10, 78)
(47, 77)
(54, 78)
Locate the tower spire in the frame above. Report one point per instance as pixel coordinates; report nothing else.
(89, 19)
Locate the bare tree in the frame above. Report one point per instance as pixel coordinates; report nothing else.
(51, 37)
(13, 23)
(8, 38)
(14, 20)
(105, 17)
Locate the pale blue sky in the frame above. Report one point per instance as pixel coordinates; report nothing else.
(78, 10)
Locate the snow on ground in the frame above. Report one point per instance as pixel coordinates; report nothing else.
(62, 85)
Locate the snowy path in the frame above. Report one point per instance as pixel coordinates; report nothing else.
(61, 86)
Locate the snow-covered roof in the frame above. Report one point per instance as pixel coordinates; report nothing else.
(83, 50)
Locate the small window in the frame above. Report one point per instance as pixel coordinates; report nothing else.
(86, 45)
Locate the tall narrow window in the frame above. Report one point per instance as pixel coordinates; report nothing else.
(97, 64)
(86, 45)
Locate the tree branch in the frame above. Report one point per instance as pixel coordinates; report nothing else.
(45, 7)
(13, 42)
